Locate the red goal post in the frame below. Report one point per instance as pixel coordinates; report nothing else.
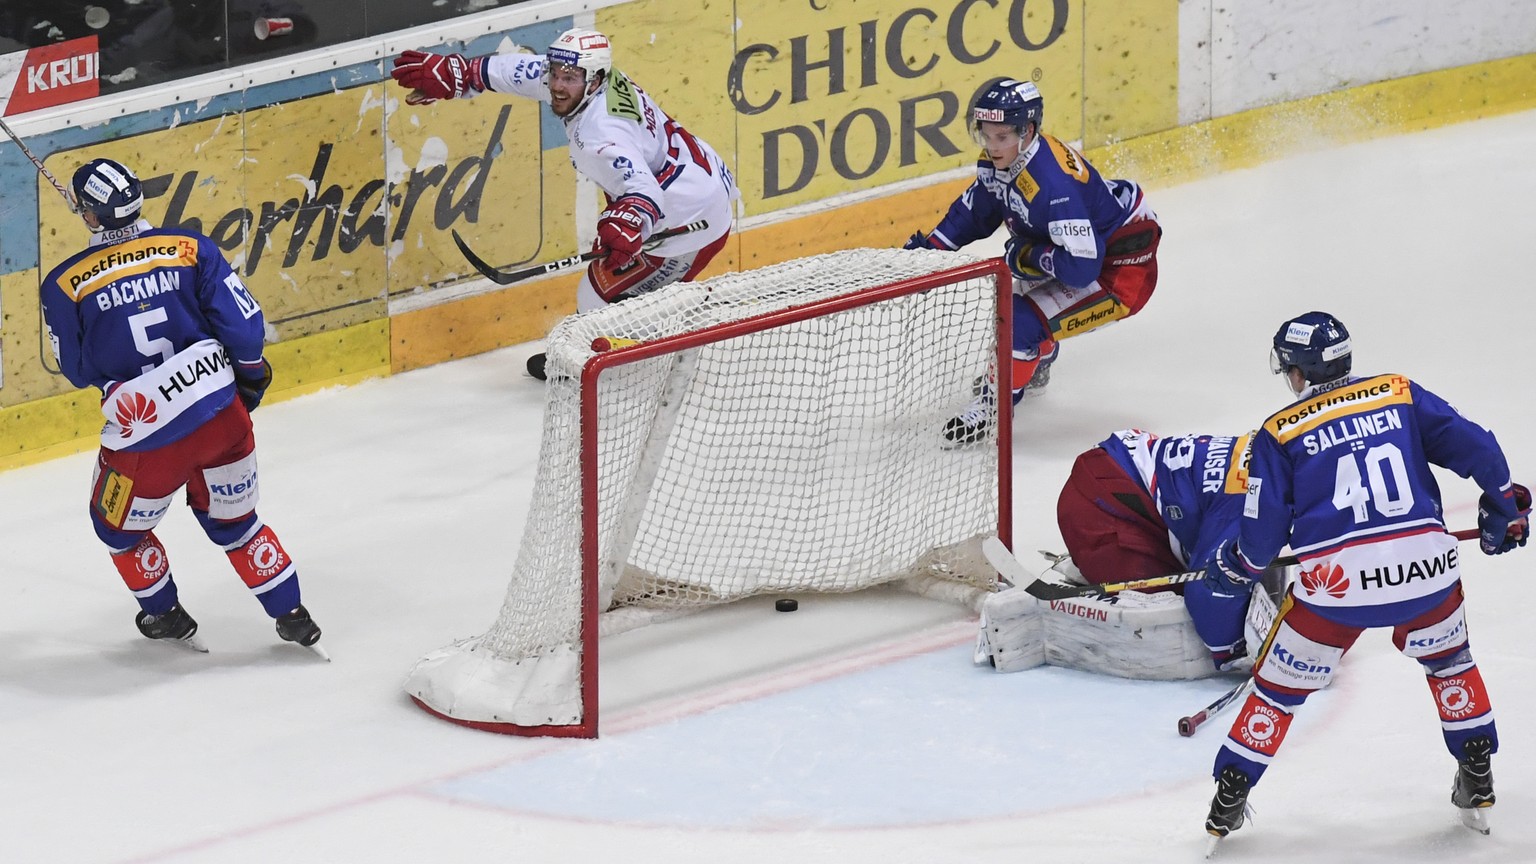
(771, 431)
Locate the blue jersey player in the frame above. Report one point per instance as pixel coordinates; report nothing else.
(1141, 505)
(157, 320)
(1343, 475)
(1082, 249)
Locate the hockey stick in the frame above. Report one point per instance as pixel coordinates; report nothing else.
(38, 163)
(1052, 591)
(507, 277)
(1188, 725)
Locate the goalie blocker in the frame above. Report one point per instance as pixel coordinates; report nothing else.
(1129, 635)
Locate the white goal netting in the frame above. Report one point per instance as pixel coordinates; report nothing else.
(784, 437)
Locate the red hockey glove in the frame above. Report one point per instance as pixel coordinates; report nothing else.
(623, 227)
(438, 76)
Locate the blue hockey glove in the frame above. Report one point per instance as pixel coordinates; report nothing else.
(919, 240)
(1019, 253)
(252, 381)
(1228, 575)
(1503, 523)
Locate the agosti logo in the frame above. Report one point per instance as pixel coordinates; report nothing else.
(330, 217)
(886, 51)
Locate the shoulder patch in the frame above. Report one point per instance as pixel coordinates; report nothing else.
(1026, 185)
(623, 99)
(1072, 162)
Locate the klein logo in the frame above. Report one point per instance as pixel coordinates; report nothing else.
(1322, 579)
(134, 408)
(230, 490)
(1306, 667)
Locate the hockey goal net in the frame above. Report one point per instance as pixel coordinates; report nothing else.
(776, 430)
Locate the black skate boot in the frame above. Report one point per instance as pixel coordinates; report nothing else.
(297, 626)
(1230, 804)
(970, 426)
(1472, 790)
(174, 624)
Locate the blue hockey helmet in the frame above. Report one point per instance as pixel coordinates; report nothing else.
(1316, 343)
(110, 191)
(1016, 103)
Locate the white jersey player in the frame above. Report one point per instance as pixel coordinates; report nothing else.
(655, 173)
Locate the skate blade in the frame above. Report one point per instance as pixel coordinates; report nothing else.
(1212, 843)
(191, 642)
(1476, 819)
(319, 651)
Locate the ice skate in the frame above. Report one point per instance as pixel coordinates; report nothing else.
(174, 624)
(297, 626)
(970, 426)
(1229, 807)
(1472, 790)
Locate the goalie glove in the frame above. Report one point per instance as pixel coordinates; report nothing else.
(623, 227)
(1503, 523)
(431, 77)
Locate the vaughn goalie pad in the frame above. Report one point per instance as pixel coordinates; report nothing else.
(1012, 636)
(1129, 635)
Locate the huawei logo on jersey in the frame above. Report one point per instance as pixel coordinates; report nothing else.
(134, 408)
(1324, 579)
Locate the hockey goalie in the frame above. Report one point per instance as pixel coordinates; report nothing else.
(1139, 506)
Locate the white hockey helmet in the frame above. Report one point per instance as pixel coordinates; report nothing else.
(587, 50)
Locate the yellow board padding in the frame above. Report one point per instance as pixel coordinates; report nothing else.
(61, 425)
(463, 328)
(1395, 107)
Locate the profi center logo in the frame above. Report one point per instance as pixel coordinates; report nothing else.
(152, 562)
(266, 557)
(1261, 727)
(134, 408)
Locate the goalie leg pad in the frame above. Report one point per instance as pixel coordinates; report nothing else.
(1012, 637)
(1133, 635)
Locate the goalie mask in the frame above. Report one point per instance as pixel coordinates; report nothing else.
(586, 50)
(110, 191)
(1316, 343)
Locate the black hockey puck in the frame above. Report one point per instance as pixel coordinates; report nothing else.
(536, 367)
(786, 604)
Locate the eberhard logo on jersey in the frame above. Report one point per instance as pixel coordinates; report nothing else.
(49, 75)
(139, 408)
